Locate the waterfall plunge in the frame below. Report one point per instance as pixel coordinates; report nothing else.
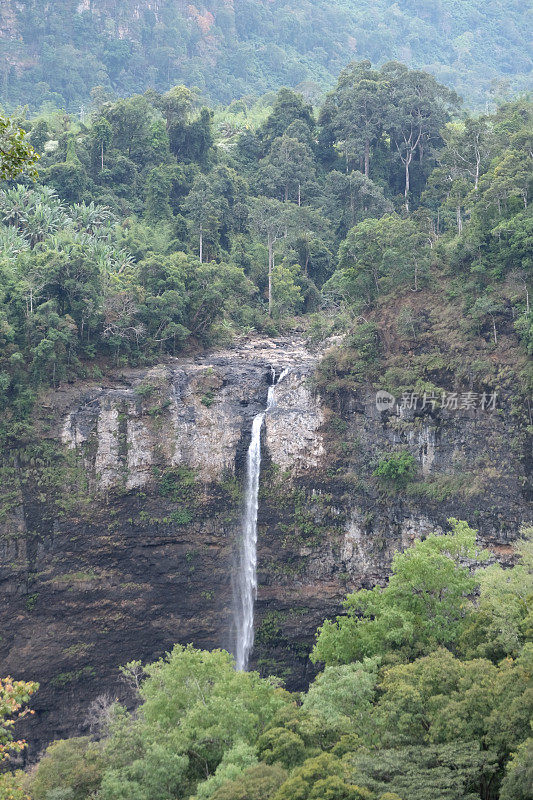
(245, 584)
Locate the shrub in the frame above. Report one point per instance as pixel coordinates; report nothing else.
(397, 469)
(208, 398)
(73, 765)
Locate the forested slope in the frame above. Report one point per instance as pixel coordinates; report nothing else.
(57, 52)
(144, 236)
(157, 228)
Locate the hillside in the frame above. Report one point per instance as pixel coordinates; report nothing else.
(56, 53)
(265, 386)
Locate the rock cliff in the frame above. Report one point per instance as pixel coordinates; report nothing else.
(118, 524)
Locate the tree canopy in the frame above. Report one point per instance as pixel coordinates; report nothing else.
(61, 53)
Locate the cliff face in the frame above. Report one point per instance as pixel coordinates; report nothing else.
(121, 19)
(119, 524)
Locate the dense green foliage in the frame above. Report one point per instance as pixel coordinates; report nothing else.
(426, 716)
(397, 468)
(145, 235)
(56, 53)
(421, 608)
(16, 154)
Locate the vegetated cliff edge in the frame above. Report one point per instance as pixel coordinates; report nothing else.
(118, 525)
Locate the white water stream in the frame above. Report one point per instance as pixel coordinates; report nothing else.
(245, 583)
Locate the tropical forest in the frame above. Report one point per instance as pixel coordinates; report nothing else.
(265, 400)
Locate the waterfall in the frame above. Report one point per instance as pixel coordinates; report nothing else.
(245, 583)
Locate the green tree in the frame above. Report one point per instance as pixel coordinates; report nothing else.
(287, 168)
(286, 293)
(269, 220)
(288, 107)
(323, 777)
(158, 188)
(69, 180)
(353, 114)
(462, 161)
(215, 292)
(73, 766)
(176, 105)
(342, 696)
(102, 133)
(397, 469)
(422, 607)
(416, 108)
(502, 620)
(458, 771)
(16, 154)
(439, 699)
(351, 198)
(255, 783)
(468, 147)
(234, 763)
(192, 141)
(279, 745)
(39, 135)
(201, 205)
(510, 177)
(130, 121)
(195, 708)
(232, 191)
(518, 779)
(379, 255)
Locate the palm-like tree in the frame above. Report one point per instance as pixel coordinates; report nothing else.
(42, 221)
(14, 203)
(36, 213)
(92, 218)
(11, 242)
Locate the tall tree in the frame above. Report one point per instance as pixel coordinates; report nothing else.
(176, 105)
(288, 107)
(202, 207)
(158, 188)
(130, 121)
(102, 133)
(416, 109)
(269, 220)
(461, 162)
(469, 147)
(353, 112)
(288, 166)
(348, 199)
